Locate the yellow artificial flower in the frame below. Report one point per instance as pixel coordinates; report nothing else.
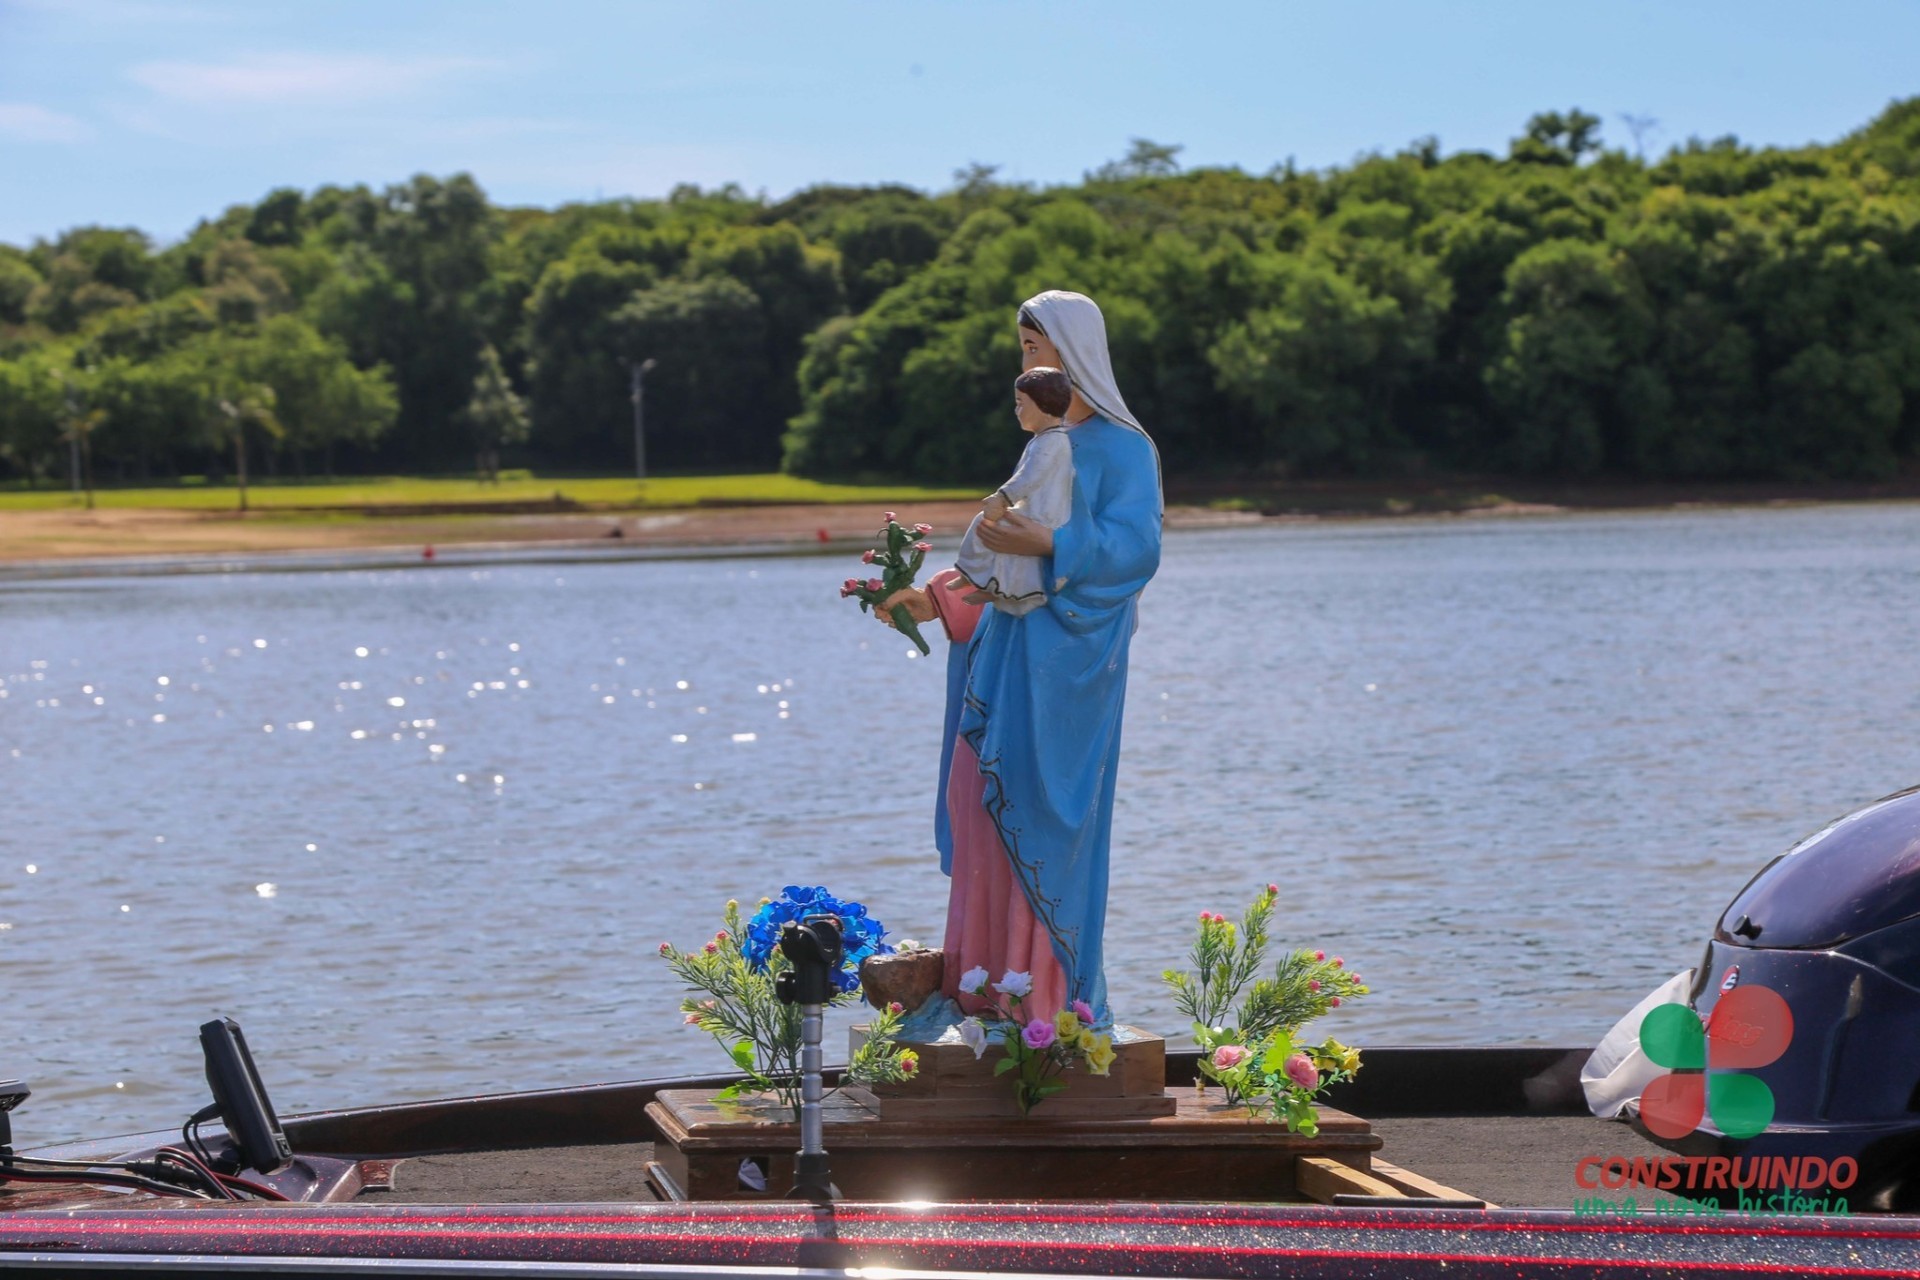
(1088, 1039)
(1338, 1056)
(1067, 1023)
(1100, 1057)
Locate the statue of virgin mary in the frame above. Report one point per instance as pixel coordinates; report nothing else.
(1031, 744)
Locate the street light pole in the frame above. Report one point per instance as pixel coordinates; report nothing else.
(73, 436)
(639, 373)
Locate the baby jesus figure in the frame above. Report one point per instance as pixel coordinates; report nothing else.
(1041, 487)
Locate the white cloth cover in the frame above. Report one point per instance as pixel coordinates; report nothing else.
(1077, 329)
(1041, 488)
(1617, 1072)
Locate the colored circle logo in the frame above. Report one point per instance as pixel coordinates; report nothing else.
(1750, 1027)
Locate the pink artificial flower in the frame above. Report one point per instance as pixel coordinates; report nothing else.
(1337, 962)
(894, 1006)
(693, 1019)
(720, 936)
(1319, 955)
(666, 948)
(1039, 1033)
(1356, 977)
(923, 528)
(1083, 1011)
(1301, 1071)
(890, 517)
(1229, 1056)
(1313, 984)
(711, 948)
(866, 557)
(1206, 915)
(1273, 888)
(923, 546)
(1334, 1003)
(873, 584)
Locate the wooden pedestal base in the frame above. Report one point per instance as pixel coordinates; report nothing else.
(952, 1084)
(1201, 1150)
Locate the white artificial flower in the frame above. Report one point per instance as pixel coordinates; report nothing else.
(973, 981)
(908, 944)
(974, 1036)
(1017, 985)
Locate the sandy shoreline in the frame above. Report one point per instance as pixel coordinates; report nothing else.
(53, 535)
(43, 543)
(43, 540)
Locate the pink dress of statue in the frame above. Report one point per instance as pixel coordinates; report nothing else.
(989, 922)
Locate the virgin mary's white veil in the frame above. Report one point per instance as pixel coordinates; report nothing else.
(1073, 323)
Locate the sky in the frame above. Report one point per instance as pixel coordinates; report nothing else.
(157, 113)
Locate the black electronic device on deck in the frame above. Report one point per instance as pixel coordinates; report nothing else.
(12, 1094)
(240, 1099)
(814, 949)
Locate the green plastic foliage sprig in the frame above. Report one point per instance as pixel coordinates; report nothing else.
(898, 558)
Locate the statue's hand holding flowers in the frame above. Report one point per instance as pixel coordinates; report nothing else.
(892, 595)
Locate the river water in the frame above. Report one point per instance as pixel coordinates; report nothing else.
(421, 831)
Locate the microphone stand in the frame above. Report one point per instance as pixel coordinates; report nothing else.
(813, 948)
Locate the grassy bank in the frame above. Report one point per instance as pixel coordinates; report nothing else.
(449, 494)
(525, 493)
(1471, 495)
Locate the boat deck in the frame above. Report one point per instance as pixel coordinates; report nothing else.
(553, 1182)
(1507, 1125)
(1512, 1161)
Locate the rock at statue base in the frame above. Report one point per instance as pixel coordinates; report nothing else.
(906, 978)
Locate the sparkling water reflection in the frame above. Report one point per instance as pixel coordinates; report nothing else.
(421, 831)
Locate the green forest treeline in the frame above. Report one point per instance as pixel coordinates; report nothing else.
(1566, 310)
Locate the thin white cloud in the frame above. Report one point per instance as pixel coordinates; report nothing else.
(30, 122)
(92, 12)
(356, 124)
(488, 128)
(327, 79)
(583, 170)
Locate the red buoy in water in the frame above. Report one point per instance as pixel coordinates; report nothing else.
(427, 553)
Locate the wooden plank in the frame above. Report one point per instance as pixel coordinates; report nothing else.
(663, 1184)
(1415, 1184)
(948, 1068)
(1205, 1151)
(999, 1105)
(1318, 1178)
(691, 1119)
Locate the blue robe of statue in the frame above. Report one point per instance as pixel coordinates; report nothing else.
(1039, 698)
